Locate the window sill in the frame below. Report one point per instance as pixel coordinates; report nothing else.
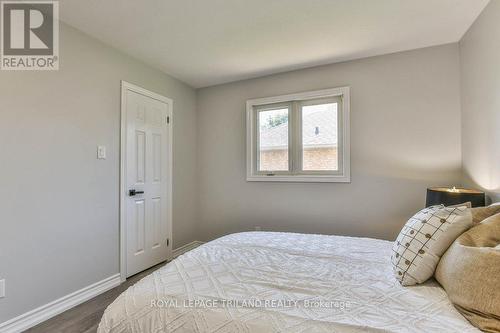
(300, 179)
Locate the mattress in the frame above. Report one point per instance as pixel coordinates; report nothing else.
(282, 282)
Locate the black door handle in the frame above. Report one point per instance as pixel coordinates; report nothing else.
(134, 192)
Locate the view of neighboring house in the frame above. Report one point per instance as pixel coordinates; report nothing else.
(319, 133)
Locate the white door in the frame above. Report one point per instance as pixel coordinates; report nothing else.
(147, 176)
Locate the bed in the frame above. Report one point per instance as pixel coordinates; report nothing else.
(282, 282)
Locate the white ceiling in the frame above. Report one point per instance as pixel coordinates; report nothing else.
(207, 42)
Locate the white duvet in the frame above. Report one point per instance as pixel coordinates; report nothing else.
(282, 282)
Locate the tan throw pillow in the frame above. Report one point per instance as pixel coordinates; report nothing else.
(470, 273)
(481, 213)
(424, 239)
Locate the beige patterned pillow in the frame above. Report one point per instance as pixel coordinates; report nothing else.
(424, 239)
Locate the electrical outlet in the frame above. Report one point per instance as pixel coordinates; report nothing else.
(2, 288)
(101, 152)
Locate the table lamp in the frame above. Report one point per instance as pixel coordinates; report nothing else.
(454, 196)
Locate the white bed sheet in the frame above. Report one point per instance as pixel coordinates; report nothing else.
(351, 276)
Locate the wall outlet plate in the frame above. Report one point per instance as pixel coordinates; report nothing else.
(2, 288)
(101, 152)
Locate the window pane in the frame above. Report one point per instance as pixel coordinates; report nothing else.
(319, 137)
(273, 140)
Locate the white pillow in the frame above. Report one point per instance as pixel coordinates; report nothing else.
(424, 239)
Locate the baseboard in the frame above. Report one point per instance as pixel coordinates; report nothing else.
(185, 248)
(47, 311)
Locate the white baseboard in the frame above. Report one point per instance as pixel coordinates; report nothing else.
(52, 309)
(185, 248)
(47, 311)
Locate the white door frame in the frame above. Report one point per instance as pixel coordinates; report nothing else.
(126, 86)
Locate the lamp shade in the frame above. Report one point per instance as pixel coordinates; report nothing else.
(454, 196)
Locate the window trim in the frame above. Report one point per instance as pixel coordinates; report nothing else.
(342, 176)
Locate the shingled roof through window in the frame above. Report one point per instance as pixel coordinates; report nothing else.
(319, 129)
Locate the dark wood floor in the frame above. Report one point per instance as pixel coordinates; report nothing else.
(85, 317)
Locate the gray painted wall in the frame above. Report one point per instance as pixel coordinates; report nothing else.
(59, 204)
(405, 136)
(480, 79)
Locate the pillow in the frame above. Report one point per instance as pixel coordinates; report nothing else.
(481, 213)
(424, 239)
(470, 273)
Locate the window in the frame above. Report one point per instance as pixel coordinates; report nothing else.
(300, 137)
(273, 139)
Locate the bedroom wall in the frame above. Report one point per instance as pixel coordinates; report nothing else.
(59, 204)
(480, 83)
(405, 136)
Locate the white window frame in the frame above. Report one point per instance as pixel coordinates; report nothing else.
(294, 174)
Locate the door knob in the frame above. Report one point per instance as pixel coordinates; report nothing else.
(134, 192)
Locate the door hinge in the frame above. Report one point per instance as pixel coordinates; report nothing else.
(168, 120)
(168, 241)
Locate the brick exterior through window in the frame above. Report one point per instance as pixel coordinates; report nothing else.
(313, 159)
